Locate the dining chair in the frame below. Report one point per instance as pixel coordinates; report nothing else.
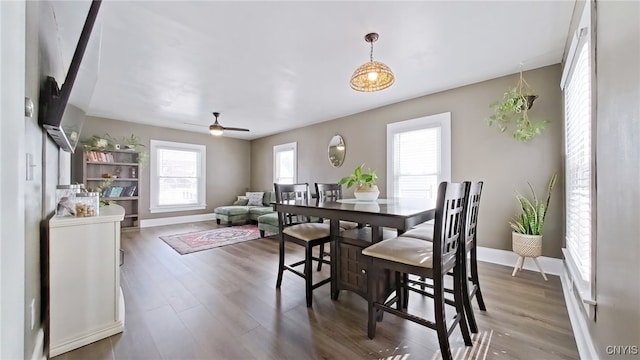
(469, 254)
(301, 231)
(331, 192)
(429, 259)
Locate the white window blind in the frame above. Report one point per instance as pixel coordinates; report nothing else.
(284, 163)
(416, 163)
(177, 176)
(578, 161)
(419, 156)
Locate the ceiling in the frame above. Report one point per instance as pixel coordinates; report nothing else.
(274, 66)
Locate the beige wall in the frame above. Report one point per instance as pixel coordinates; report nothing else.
(228, 162)
(478, 151)
(618, 177)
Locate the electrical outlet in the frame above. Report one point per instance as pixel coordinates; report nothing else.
(33, 313)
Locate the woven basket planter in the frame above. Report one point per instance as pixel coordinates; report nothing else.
(527, 245)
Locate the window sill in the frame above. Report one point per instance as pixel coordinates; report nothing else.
(165, 209)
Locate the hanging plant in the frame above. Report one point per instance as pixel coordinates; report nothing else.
(512, 111)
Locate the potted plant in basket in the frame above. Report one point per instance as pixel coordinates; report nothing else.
(513, 109)
(365, 182)
(527, 226)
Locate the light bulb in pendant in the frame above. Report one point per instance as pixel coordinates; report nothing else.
(372, 76)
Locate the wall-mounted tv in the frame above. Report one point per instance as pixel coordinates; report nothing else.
(64, 128)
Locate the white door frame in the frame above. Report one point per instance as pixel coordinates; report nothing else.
(12, 177)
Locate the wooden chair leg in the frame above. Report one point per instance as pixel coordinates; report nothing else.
(321, 256)
(399, 291)
(540, 268)
(280, 262)
(372, 290)
(475, 280)
(308, 274)
(405, 288)
(466, 302)
(440, 317)
(261, 233)
(461, 299)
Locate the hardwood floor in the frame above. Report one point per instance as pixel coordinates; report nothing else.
(222, 304)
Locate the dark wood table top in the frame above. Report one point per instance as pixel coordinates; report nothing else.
(401, 214)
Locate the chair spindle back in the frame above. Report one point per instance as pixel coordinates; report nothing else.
(449, 218)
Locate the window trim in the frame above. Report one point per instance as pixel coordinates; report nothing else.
(442, 120)
(285, 147)
(156, 145)
(585, 290)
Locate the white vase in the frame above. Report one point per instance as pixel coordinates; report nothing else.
(367, 192)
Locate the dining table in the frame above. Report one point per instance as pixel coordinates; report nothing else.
(379, 219)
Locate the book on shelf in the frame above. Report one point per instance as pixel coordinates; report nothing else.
(116, 192)
(129, 191)
(99, 156)
(113, 191)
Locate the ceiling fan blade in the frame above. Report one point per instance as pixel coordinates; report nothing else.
(193, 124)
(234, 129)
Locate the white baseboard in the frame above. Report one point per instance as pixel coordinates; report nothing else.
(550, 265)
(176, 220)
(38, 350)
(85, 339)
(586, 348)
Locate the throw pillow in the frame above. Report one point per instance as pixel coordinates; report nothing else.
(255, 198)
(241, 202)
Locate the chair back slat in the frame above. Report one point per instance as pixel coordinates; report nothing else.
(473, 204)
(293, 193)
(328, 192)
(448, 227)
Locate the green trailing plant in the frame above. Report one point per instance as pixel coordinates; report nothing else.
(97, 143)
(530, 221)
(360, 178)
(133, 142)
(513, 111)
(108, 142)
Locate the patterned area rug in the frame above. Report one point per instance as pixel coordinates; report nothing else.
(209, 239)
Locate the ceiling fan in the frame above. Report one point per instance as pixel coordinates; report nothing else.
(217, 130)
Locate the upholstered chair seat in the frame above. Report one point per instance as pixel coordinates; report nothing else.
(405, 250)
(308, 231)
(423, 233)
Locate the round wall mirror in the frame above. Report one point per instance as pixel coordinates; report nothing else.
(337, 150)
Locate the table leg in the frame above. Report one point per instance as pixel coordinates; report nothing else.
(335, 258)
(376, 234)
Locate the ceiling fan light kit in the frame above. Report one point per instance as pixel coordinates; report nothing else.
(216, 129)
(373, 75)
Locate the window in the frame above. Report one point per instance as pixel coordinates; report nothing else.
(285, 163)
(579, 160)
(177, 176)
(418, 156)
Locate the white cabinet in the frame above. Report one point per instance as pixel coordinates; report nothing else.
(85, 299)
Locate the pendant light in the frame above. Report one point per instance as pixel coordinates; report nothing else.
(373, 75)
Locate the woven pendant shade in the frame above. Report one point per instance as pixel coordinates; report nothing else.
(360, 78)
(374, 75)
